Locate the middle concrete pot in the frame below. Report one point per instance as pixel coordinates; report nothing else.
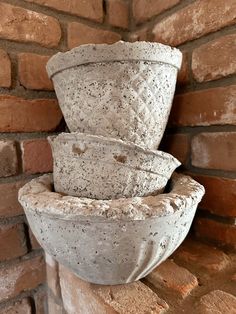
(105, 168)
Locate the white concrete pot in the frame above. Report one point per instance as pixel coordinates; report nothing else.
(104, 168)
(113, 241)
(123, 90)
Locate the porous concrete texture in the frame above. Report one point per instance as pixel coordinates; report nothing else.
(124, 90)
(105, 168)
(113, 241)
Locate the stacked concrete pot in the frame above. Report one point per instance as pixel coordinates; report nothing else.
(106, 216)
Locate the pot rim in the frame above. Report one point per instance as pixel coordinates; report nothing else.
(72, 139)
(108, 141)
(119, 51)
(37, 197)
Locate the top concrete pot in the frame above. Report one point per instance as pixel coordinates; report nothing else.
(123, 90)
(113, 241)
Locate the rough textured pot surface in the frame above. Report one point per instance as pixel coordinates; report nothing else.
(104, 168)
(123, 90)
(110, 241)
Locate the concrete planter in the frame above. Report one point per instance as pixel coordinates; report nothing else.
(123, 90)
(104, 168)
(113, 241)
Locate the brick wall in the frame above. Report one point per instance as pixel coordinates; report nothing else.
(198, 279)
(202, 125)
(201, 132)
(30, 32)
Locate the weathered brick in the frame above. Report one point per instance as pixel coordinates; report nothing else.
(139, 35)
(53, 275)
(233, 277)
(40, 300)
(217, 301)
(92, 9)
(32, 71)
(24, 25)
(20, 307)
(214, 151)
(79, 34)
(169, 275)
(220, 233)
(55, 308)
(8, 157)
(5, 73)
(144, 10)
(36, 156)
(12, 241)
(118, 13)
(9, 205)
(215, 59)
(82, 297)
(28, 115)
(33, 241)
(201, 256)
(220, 195)
(183, 74)
(205, 107)
(177, 145)
(195, 20)
(22, 276)
(78, 297)
(132, 298)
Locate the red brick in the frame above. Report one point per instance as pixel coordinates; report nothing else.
(118, 13)
(12, 241)
(177, 145)
(220, 233)
(183, 75)
(36, 156)
(133, 298)
(202, 256)
(81, 297)
(139, 35)
(169, 275)
(28, 115)
(205, 107)
(144, 10)
(40, 300)
(216, 59)
(78, 297)
(220, 195)
(195, 20)
(32, 71)
(24, 275)
(21, 307)
(233, 277)
(92, 9)
(8, 157)
(24, 25)
(9, 205)
(33, 241)
(5, 73)
(214, 151)
(217, 301)
(79, 34)
(53, 276)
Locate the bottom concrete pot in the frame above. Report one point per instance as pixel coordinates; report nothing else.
(110, 241)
